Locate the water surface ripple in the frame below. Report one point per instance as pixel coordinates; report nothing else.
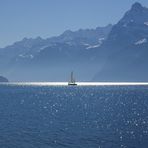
(73, 117)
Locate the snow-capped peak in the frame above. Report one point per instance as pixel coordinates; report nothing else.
(142, 41)
(93, 46)
(146, 23)
(26, 56)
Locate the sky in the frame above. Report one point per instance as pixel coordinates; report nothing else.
(46, 18)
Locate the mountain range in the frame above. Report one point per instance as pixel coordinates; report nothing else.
(127, 47)
(112, 53)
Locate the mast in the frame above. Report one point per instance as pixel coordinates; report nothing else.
(72, 79)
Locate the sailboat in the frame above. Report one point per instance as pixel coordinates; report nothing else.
(72, 80)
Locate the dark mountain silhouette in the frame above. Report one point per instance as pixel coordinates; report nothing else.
(3, 79)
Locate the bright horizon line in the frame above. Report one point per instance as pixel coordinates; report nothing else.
(78, 83)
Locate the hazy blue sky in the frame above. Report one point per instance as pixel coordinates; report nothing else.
(45, 18)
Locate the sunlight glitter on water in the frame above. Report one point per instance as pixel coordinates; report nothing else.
(78, 83)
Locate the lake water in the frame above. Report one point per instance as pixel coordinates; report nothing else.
(38, 116)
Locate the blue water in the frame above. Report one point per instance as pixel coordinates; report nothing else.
(73, 117)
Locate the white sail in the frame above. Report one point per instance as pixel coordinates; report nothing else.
(72, 80)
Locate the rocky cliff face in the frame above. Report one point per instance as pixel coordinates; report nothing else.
(127, 48)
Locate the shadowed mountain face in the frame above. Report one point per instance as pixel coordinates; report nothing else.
(127, 48)
(3, 79)
(132, 28)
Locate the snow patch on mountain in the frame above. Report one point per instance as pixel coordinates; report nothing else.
(146, 23)
(142, 41)
(26, 56)
(101, 40)
(85, 44)
(42, 48)
(125, 24)
(93, 46)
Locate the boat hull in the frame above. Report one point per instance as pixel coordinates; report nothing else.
(72, 84)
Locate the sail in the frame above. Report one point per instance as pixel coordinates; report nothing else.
(72, 79)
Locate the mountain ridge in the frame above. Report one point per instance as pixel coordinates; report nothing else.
(128, 43)
(67, 50)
